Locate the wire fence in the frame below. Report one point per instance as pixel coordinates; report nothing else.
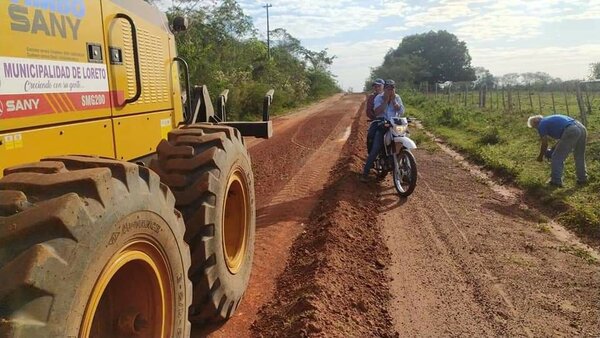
(581, 102)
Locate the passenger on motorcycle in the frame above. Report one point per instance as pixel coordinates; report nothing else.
(377, 87)
(387, 106)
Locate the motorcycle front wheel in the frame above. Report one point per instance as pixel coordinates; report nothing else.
(405, 173)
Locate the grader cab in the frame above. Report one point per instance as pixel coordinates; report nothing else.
(123, 210)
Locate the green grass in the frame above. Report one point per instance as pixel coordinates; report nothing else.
(500, 140)
(540, 103)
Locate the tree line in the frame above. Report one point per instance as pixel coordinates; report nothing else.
(223, 50)
(440, 57)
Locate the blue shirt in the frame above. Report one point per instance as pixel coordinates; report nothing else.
(389, 111)
(553, 125)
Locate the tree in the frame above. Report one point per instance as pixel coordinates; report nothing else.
(511, 79)
(433, 57)
(538, 79)
(409, 69)
(483, 78)
(595, 71)
(222, 48)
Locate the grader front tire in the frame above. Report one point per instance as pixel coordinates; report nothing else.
(208, 169)
(91, 248)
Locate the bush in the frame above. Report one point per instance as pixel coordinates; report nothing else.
(491, 136)
(448, 117)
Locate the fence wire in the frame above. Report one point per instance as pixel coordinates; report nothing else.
(581, 102)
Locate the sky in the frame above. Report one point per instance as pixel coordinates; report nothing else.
(559, 37)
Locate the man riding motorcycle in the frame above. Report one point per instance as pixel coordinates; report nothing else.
(387, 105)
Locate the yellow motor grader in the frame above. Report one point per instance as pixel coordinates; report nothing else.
(124, 209)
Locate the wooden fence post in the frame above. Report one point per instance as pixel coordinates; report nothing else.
(519, 98)
(497, 99)
(553, 103)
(510, 103)
(587, 98)
(566, 101)
(530, 98)
(503, 103)
(484, 96)
(540, 101)
(581, 104)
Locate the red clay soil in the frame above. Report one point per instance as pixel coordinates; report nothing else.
(290, 171)
(296, 137)
(455, 259)
(338, 258)
(469, 260)
(335, 284)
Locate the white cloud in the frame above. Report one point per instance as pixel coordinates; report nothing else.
(568, 63)
(396, 29)
(354, 59)
(512, 20)
(475, 21)
(500, 24)
(311, 19)
(446, 11)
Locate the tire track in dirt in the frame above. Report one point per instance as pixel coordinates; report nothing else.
(291, 170)
(468, 262)
(334, 284)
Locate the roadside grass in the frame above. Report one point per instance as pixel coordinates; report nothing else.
(501, 142)
(422, 140)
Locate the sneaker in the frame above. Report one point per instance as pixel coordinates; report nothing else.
(363, 178)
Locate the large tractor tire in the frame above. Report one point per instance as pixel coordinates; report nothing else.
(208, 169)
(91, 247)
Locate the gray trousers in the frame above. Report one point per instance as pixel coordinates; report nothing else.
(573, 139)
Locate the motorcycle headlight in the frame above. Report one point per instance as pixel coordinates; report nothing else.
(401, 129)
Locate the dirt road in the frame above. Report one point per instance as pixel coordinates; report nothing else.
(290, 171)
(336, 257)
(469, 262)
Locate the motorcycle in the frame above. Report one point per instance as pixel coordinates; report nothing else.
(396, 156)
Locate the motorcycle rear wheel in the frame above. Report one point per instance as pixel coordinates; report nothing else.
(405, 173)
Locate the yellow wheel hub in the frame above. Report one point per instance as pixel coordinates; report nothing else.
(132, 297)
(235, 221)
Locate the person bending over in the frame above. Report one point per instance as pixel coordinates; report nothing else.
(571, 136)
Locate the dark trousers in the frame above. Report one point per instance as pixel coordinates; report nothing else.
(376, 146)
(371, 132)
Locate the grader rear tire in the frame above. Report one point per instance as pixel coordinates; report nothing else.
(208, 169)
(91, 247)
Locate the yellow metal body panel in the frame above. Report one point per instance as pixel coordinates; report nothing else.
(154, 57)
(78, 138)
(32, 37)
(140, 134)
(57, 71)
